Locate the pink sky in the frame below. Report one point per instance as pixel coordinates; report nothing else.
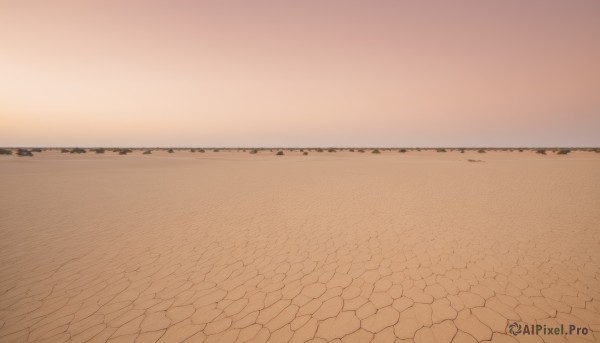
(300, 73)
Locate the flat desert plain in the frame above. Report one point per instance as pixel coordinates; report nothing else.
(352, 247)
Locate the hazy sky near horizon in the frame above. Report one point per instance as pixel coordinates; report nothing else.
(300, 73)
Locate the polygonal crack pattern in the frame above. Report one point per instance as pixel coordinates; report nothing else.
(320, 259)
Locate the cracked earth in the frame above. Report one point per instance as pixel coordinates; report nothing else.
(340, 247)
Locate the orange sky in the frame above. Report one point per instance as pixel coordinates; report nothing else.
(300, 73)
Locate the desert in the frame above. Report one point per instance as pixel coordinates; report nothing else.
(299, 171)
(250, 246)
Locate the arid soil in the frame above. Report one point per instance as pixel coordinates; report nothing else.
(353, 247)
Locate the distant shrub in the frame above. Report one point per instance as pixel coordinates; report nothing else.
(148, 152)
(124, 151)
(64, 151)
(192, 150)
(520, 150)
(279, 153)
(36, 150)
(481, 151)
(201, 150)
(376, 151)
(563, 151)
(462, 151)
(441, 150)
(5, 152)
(254, 151)
(305, 153)
(331, 150)
(360, 150)
(99, 151)
(351, 150)
(24, 152)
(170, 151)
(319, 150)
(402, 150)
(470, 160)
(216, 150)
(540, 151)
(77, 151)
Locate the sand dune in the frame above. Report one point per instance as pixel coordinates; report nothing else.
(229, 246)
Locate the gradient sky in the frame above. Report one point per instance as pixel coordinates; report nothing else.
(300, 73)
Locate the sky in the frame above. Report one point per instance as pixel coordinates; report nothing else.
(300, 73)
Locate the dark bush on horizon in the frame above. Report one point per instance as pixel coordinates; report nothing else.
(254, 151)
(360, 150)
(77, 151)
(481, 151)
(279, 153)
(216, 150)
(64, 151)
(201, 150)
(331, 150)
(36, 150)
(147, 152)
(305, 153)
(402, 150)
(319, 150)
(99, 151)
(376, 151)
(563, 151)
(24, 152)
(170, 151)
(441, 150)
(192, 150)
(124, 151)
(541, 151)
(5, 152)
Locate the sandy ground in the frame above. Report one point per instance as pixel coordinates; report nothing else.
(229, 246)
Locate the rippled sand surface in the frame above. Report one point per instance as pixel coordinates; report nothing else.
(228, 246)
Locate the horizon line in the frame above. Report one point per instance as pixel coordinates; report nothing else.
(295, 147)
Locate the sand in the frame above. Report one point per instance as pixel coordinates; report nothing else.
(228, 246)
